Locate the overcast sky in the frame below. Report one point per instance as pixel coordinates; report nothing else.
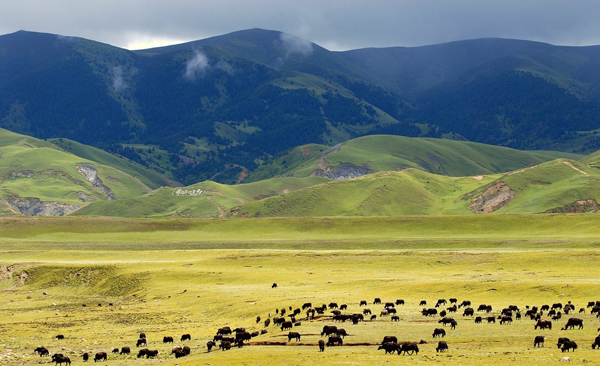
(333, 24)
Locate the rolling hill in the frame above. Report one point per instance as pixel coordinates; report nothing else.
(39, 178)
(203, 200)
(378, 153)
(559, 185)
(218, 108)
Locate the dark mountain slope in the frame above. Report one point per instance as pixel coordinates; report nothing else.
(219, 107)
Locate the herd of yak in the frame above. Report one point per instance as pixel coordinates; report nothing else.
(226, 338)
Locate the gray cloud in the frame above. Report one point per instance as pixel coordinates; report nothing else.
(118, 82)
(334, 24)
(295, 45)
(196, 66)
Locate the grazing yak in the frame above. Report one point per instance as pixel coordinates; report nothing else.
(141, 342)
(225, 345)
(543, 324)
(335, 341)
(538, 341)
(596, 343)
(399, 302)
(569, 345)
(59, 337)
(429, 312)
(59, 359)
(442, 346)
(363, 302)
(210, 345)
(152, 353)
(377, 301)
(125, 351)
(244, 336)
(562, 340)
(321, 345)
(506, 319)
(409, 348)
(469, 312)
(439, 332)
(287, 325)
(186, 337)
(85, 357)
(446, 321)
(341, 333)
(389, 339)
(572, 323)
(329, 329)
(42, 351)
(182, 352)
(491, 319)
(167, 339)
(395, 318)
(224, 331)
(390, 347)
(423, 303)
(100, 356)
(293, 335)
(465, 303)
(115, 350)
(478, 320)
(142, 335)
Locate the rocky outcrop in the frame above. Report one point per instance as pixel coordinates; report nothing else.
(23, 174)
(12, 273)
(581, 206)
(35, 207)
(91, 175)
(493, 199)
(340, 172)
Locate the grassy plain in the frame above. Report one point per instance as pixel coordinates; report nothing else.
(170, 277)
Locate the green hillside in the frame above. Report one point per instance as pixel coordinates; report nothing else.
(386, 153)
(149, 177)
(37, 177)
(206, 199)
(557, 186)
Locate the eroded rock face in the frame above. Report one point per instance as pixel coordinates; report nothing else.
(581, 206)
(91, 175)
(342, 171)
(493, 199)
(35, 207)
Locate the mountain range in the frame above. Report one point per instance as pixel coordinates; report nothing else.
(225, 108)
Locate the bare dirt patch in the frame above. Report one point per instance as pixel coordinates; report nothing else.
(493, 199)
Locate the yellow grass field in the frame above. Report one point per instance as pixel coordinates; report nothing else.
(170, 290)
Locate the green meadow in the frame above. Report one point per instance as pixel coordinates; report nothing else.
(168, 277)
